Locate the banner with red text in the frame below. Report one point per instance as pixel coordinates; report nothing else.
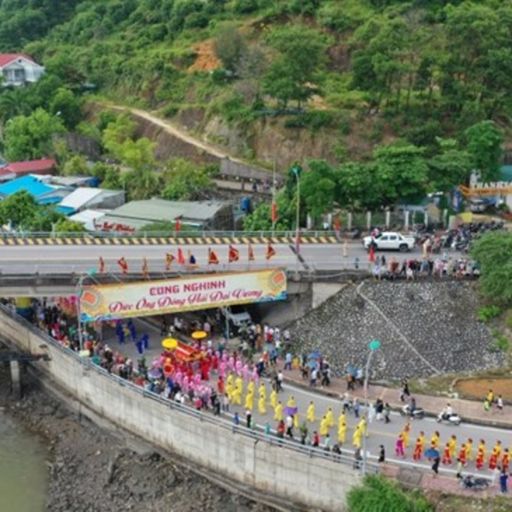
(145, 298)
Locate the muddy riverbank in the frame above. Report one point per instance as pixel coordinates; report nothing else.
(91, 470)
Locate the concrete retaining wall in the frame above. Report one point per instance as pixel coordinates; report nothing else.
(309, 482)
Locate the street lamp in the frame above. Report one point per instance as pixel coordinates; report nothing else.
(89, 273)
(296, 170)
(373, 346)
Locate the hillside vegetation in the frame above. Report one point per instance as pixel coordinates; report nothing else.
(419, 69)
(381, 99)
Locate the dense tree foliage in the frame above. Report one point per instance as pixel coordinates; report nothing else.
(21, 212)
(494, 253)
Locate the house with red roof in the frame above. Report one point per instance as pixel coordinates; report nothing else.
(44, 166)
(19, 69)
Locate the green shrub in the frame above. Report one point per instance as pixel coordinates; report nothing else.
(378, 494)
(502, 343)
(487, 313)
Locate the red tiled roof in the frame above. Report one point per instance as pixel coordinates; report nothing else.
(7, 58)
(43, 166)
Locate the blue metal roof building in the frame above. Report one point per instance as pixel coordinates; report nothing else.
(42, 193)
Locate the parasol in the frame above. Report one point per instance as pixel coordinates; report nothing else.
(199, 335)
(170, 343)
(431, 453)
(155, 373)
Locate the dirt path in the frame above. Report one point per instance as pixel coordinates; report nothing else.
(173, 130)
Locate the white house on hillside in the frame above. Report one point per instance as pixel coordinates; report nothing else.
(18, 69)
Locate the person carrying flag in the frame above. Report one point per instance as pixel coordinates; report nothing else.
(191, 258)
(145, 268)
(250, 252)
(169, 258)
(181, 256)
(270, 251)
(233, 254)
(212, 257)
(123, 264)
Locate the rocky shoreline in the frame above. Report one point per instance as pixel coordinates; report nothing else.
(91, 470)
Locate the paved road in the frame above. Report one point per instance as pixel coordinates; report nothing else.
(78, 259)
(379, 432)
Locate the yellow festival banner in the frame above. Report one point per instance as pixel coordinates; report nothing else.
(145, 298)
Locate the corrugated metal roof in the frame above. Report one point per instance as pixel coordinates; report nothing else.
(29, 183)
(80, 197)
(154, 210)
(87, 217)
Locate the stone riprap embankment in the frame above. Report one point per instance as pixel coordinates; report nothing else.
(425, 328)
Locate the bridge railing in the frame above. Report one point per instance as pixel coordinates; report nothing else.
(171, 234)
(345, 457)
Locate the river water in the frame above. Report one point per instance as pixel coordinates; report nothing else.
(23, 472)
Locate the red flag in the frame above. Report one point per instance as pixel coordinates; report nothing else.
(177, 224)
(270, 251)
(123, 264)
(337, 224)
(371, 253)
(274, 212)
(233, 255)
(212, 257)
(250, 252)
(169, 258)
(145, 268)
(181, 257)
(101, 266)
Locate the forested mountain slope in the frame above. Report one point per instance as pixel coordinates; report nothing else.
(326, 78)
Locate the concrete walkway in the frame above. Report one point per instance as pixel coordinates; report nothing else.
(471, 411)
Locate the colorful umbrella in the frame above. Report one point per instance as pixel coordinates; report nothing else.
(199, 335)
(431, 453)
(170, 343)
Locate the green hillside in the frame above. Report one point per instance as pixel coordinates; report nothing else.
(424, 68)
(400, 97)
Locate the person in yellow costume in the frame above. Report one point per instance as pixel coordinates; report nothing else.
(249, 401)
(310, 413)
(421, 439)
(239, 384)
(296, 423)
(229, 388)
(230, 381)
(342, 418)
(273, 399)
(262, 408)
(452, 443)
(497, 448)
(262, 391)
(363, 426)
(250, 387)
(278, 411)
(434, 440)
(469, 449)
(291, 402)
(237, 396)
(342, 432)
(406, 433)
(330, 417)
(324, 427)
(481, 447)
(356, 437)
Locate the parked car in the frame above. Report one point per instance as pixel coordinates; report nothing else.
(389, 240)
(237, 317)
(478, 205)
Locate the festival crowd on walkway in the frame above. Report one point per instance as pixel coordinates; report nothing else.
(226, 382)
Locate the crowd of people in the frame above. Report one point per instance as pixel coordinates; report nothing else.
(412, 268)
(227, 383)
